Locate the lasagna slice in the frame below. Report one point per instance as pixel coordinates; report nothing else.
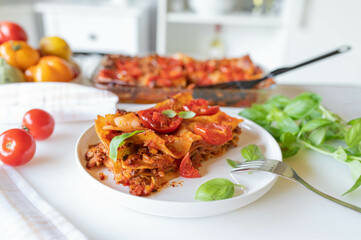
(173, 138)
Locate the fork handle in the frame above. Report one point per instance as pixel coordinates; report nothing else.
(345, 204)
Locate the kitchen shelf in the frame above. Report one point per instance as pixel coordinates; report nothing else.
(237, 18)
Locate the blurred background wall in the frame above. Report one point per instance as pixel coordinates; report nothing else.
(274, 32)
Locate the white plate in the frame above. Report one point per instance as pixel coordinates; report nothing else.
(178, 200)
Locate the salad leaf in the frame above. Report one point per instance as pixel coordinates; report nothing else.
(118, 141)
(353, 135)
(340, 154)
(304, 122)
(318, 136)
(353, 121)
(354, 187)
(302, 105)
(283, 121)
(315, 123)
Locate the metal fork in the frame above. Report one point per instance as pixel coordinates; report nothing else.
(283, 170)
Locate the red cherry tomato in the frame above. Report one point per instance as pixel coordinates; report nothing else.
(213, 133)
(186, 168)
(39, 123)
(156, 120)
(17, 147)
(11, 31)
(201, 107)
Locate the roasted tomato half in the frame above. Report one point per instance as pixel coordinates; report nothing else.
(201, 107)
(213, 133)
(186, 168)
(156, 120)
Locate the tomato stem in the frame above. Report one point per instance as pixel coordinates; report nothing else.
(16, 47)
(26, 129)
(9, 145)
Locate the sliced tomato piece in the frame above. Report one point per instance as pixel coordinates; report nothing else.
(154, 119)
(107, 74)
(186, 168)
(213, 133)
(201, 107)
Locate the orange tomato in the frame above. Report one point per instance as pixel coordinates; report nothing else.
(19, 54)
(50, 69)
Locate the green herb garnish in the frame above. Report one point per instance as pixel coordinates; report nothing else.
(187, 114)
(119, 141)
(216, 189)
(184, 114)
(304, 122)
(169, 113)
(252, 152)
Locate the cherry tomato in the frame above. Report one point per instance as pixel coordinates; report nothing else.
(186, 168)
(213, 133)
(156, 120)
(17, 147)
(39, 123)
(11, 31)
(201, 107)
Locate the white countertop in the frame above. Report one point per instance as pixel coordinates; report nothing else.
(287, 211)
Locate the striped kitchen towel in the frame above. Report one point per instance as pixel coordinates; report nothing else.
(25, 215)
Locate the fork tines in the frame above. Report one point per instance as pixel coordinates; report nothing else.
(249, 165)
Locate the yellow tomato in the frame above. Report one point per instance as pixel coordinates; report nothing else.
(50, 69)
(55, 46)
(19, 54)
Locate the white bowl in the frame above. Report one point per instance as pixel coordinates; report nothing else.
(211, 7)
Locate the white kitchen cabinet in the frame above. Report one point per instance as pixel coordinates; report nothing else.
(96, 28)
(264, 36)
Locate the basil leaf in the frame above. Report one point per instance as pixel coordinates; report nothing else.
(255, 113)
(354, 187)
(340, 154)
(283, 122)
(232, 163)
(353, 121)
(353, 135)
(252, 152)
(215, 189)
(288, 139)
(169, 113)
(314, 114)
(289, 151)
(118, 141)
(327, 114)
(302, 105)
(277, 101)
(355, 168)
(329, 147)
(186, 114)
(317, 136)
(289, 145)
(275, 132)
(315, 123)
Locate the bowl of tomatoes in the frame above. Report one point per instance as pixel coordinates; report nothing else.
(50, 61)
